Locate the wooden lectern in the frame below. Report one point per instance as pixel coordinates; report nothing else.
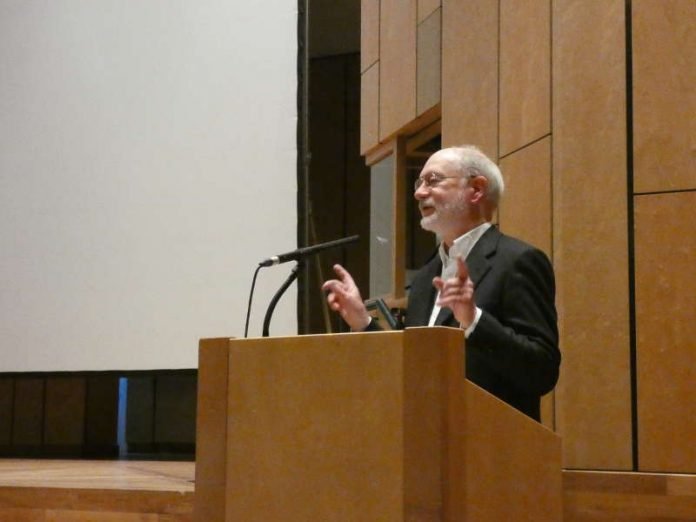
(363, 427)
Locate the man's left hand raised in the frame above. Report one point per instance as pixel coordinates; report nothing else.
(457, 294)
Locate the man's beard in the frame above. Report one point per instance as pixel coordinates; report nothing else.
(443, 216)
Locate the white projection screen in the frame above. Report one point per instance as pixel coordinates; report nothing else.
(147, 164)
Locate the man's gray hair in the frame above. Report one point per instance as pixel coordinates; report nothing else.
(475, 163)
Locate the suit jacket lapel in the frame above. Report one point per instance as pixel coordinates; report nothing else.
(423, 293)
(444, 316)
(479, 263)
(479, 260)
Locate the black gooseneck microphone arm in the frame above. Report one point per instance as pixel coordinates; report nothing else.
(271, 306)
(296, 255)
(301, 253)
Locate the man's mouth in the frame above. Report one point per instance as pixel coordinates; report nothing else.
(426, 210)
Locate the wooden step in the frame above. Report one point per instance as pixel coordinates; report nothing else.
(98, 491)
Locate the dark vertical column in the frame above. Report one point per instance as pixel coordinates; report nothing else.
(175, 413)
(101, 416)
(64, 416)
(6, 413)
(140, 414)
(28, 407)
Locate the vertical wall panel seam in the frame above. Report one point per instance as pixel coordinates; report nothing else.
(551, 176)
(379, 74)
(415, 114)
(497, 104)
(415, 84)
(442, 25)
(631, 234)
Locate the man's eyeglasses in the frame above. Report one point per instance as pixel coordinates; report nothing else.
(432, 180)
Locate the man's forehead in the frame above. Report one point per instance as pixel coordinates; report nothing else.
(443, 159)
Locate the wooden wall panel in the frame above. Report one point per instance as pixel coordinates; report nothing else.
(369, 33)
(593, 398)
(525, 210)
(525, 72)
(65, 411)
(428, 58)
(470, 74)
(426, 8)
(665, 254)
(211, 430)
(664, 98)
(397, 72)
(369, 109)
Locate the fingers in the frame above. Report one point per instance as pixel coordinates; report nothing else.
(335, 293)
(455, 290)
(333, 302)
(343, 285)
(438, 283)
(462, 269)
(343, 274)
(462, 278)
(339, 291)
(343, 296)
(331, 285)
(457, 294)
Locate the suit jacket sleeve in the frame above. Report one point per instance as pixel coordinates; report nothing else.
(517, 334)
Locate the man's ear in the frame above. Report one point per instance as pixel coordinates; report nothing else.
(480, 186)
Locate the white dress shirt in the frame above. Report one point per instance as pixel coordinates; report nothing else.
(460, 248)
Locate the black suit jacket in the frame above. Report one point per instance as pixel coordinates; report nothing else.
(513, 351)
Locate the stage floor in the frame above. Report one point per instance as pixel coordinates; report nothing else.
(106, 474)
(148, 491)
(76, 490)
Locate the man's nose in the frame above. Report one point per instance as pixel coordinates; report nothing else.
(421, 192)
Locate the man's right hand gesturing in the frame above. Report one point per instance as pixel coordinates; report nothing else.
(344, 297)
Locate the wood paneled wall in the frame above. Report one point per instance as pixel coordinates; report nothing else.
(664, 202)
(400, 66)
(588, 106)
(525, 73)
(428, 62)
(665, 251)
(590, 225)
(470, 74)
(664, 98)
(397, 65)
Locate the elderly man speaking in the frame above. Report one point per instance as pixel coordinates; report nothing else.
(498, 289)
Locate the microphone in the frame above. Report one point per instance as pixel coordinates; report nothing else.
(307, 251)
